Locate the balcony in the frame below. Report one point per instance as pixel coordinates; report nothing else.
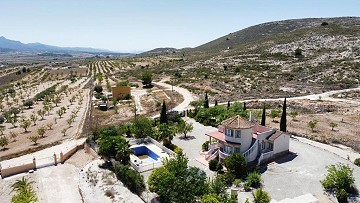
(223, 155)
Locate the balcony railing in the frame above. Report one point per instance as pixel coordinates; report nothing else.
(213, 156)
(265, 156)
(251, 153)
(223, 155)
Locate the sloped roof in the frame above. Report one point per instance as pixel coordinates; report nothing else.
(274, 136)
(237, 122)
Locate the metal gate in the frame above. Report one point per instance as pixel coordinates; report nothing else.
(45, 162)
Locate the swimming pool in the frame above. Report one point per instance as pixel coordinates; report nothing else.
(145, 154)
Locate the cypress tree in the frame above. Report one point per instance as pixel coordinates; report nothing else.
(216, 103)
(228, 106)
(128, 131)
(163, 117)
(263, 117)
(283, 118)
(206, 102)
(244, 106)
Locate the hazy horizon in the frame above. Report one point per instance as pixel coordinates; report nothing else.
(136, 26)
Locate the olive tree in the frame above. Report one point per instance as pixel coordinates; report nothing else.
(25, 124)
(34, 138)
(33, 118)
(28, 103)
(41, 113)
(333, 125)
(312, 124)
(274, 113)
(4, 141)
(41, 131)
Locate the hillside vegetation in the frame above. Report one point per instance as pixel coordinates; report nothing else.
(285, 58)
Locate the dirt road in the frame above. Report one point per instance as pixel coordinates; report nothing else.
(188, 97)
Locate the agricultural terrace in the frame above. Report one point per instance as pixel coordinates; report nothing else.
(43, 107)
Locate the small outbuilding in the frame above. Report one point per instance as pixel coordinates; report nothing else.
(121, 92)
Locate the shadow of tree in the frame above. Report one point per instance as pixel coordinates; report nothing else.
(189, 137)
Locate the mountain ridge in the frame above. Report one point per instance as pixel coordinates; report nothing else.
(256, 32)
(8, 45)
(262, 30)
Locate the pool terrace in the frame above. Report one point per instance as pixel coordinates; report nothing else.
(148, 154)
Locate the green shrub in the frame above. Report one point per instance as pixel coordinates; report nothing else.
(131, 179)
(228, 178)
(324, 23)
(205, 146)
(339, 177)
(298, 52)
(219, 166)
(237, 182)
(253, 179)
(341, 196)
(236, 164)
(213, 164)
(357, 162)
(178, 150)
(261, 196)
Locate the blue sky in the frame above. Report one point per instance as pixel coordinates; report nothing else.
(138, 25)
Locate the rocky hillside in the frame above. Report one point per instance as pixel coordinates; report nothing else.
(261, 31)
(294, 57)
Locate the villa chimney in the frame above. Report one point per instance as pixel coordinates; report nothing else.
(251, 117)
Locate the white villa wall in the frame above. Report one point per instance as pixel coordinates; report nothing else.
(246, 138)
(281, 143)
(234, 138)
(264, 135)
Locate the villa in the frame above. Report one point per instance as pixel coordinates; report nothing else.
(257, 143)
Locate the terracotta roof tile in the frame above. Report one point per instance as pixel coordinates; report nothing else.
(274, 136)
(237, 122)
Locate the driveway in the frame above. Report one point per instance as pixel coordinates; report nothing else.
(184, 92)
(58, 184)
(295, 178)
(192, 145)
(299, 174)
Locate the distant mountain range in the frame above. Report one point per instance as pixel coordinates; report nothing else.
(7, 45)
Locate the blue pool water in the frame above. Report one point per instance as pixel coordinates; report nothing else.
(143, 150)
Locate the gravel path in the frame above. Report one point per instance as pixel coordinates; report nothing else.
(326, 96)
(188, 97)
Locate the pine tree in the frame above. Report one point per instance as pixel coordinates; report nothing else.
(263, 117)
(216, 102)
(283, 118)
(244, 106)
(206, 102)
(228, 106)
(163, 117)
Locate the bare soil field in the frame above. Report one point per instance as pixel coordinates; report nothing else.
(66, 71)
(345, 116)
(56, 128)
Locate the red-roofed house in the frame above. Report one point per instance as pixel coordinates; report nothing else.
(255, 142)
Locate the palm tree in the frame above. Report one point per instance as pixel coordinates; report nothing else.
(24, 191)
(21, 184)
(123, 152)
(261, 196)
(166, 134)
